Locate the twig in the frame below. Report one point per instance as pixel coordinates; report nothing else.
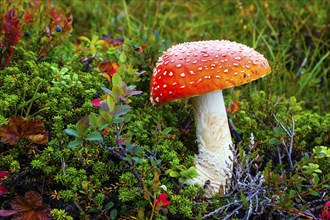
(130, 165)
(78, 206)
(221, 209)
(290, 133)
(233, 212)
(234, 132)
(120, 145)
(208, 202)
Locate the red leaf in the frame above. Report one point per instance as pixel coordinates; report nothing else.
(96, 102)
(27, 17)
(5, 213)
(12, 31)
(3, 174)
(30, 207)
(3, 190)
(108, 69)
(162, 200)
(325, 215)
(32, 130)
(59, 18)
(67, 25)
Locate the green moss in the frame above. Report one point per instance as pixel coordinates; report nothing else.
(296, 91)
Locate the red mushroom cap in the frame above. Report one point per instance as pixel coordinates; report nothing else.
(195, 68)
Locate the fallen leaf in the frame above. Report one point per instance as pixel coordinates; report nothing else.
(19, 129)
(108, 69)
(30, 207)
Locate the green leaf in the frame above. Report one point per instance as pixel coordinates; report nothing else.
(113, 214)
(64, 70)
(109, 205)
(166, 130)
(154, 162)
(83, 38)
(75, 143)
(107, 116)
(316, 179)
(104, 125)
(137, 160)
(173, 173)
(128, 158)
(137, 150)
(117, 90)
(274, 141)
(293, 100)
(111, 103)
(94, 136)
(279, 131)
(314, 193)
(120, 110)
(107, 90)
(72, 132)
(55, 70)
(94, 120)
(116, 80)
(192, 172)
(122, 57)
(129, 147)
(117, 120)
(105, 106)
(292, 193)
(82, 126)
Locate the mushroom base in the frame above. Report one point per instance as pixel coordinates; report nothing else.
(214, 140)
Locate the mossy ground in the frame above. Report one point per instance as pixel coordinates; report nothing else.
(57, 57)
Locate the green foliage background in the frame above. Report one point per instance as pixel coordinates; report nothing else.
(88, 181)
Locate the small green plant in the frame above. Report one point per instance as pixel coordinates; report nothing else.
(120, 149)
(60, 214)
(181, 172)
(109, 208)
(63, 78)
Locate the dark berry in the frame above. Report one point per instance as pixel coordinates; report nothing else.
(58, 29)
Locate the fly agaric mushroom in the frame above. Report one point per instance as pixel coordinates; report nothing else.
(202, 70)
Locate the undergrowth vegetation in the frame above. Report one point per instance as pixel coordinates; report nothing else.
(81, 140)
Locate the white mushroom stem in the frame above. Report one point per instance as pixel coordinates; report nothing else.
(214, 140)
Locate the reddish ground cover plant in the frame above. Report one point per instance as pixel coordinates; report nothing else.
(117, 145)
(108, 69)
(59, 23)
(13, 21)
(3, 174)
(19, 129)
(325, 215)
(3, 190)
(28, 207)
(163, 200)
(11, 28)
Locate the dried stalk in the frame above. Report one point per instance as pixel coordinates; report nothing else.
(290, 133)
